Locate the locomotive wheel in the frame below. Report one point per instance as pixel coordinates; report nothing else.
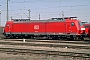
(81, 38)
(72, 38)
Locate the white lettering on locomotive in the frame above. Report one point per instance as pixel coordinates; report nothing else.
(36, 27)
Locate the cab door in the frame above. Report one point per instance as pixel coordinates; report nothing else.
(68, 28)
(71, 28)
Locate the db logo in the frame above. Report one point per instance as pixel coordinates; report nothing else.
(36, 26)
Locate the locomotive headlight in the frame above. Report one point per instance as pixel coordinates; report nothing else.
(82, 28)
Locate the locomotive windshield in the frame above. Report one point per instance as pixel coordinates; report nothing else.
(80, 23)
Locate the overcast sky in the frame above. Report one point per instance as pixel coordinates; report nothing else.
(46, 8)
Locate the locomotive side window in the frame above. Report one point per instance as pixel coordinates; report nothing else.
(72, 24)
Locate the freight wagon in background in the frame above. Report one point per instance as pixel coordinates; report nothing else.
(54, 28)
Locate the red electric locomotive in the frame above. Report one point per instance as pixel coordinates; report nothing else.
(87, 29)
(54, 28)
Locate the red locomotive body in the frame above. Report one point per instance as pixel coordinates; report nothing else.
(52, 28)
(87, 29)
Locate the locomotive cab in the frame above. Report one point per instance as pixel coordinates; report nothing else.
(7, 29)
(76, 28)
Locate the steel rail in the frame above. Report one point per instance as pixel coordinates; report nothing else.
(50, 41)
(46, 52)
(45, 45)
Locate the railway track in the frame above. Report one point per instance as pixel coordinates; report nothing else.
(71, 45)
(16, 51)
(48, 43)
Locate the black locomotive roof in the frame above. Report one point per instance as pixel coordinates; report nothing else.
(52, 19)
(63, 18)
(21, 19)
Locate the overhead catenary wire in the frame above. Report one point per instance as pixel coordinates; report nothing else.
(24, 13)
(55, 10)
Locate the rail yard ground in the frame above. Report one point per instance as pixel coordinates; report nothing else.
(17, 49)
(4, 56)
